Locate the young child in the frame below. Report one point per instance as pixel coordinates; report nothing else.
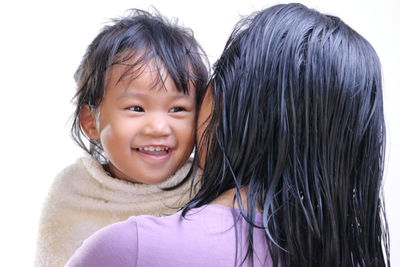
(139, 85)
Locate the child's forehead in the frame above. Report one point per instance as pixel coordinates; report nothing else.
(144, 76)
(130, 65)
(126, 73)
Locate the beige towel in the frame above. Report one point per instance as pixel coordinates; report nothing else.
(84, 198)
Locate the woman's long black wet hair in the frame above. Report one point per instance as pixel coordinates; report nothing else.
(298, 120)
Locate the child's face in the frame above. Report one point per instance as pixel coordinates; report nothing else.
(146, 131)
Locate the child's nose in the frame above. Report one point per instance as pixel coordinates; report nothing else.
(157, 125)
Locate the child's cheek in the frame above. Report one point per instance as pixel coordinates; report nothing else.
(106, 134)
(97, 118)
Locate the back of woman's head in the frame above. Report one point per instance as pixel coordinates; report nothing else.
(300, 123)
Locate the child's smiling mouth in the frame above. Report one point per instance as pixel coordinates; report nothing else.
(153, 148)
(154, 152)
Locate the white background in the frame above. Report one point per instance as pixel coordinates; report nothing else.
(41, 45)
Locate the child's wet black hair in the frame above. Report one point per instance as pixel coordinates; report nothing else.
(138, 39)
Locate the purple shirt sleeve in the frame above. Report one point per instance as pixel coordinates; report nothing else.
(115, 245)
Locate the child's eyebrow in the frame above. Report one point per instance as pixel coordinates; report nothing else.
(127, 94)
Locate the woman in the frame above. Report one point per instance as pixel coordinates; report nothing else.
(295, 144)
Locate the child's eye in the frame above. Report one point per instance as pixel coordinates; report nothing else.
(135, 108)
(177, 109)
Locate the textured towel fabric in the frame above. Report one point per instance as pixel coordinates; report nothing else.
(84, 198)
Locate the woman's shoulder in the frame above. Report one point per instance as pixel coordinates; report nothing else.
(160, 241)
(204, 218)
(114, 245)
(183, 241)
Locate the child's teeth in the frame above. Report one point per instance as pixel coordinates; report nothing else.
(153, 148)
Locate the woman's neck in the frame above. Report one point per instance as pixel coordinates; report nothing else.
(227, 198)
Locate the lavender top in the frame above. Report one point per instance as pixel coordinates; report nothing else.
(205, 237)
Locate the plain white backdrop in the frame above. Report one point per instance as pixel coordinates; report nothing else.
(42, 43)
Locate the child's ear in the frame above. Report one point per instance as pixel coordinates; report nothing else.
(88, 122)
